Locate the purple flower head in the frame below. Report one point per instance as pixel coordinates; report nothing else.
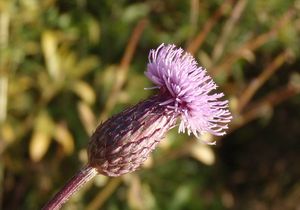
(122, 143)
(188, 89)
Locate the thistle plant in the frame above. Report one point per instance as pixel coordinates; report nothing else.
(186, 97)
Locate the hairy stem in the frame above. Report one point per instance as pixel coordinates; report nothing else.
(73, 185)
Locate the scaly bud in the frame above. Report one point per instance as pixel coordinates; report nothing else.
(123, 143)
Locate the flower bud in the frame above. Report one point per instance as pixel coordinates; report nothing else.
(123, 143)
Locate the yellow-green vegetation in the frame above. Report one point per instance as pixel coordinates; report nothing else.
(65, 66)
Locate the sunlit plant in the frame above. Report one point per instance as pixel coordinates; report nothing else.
(186, 97)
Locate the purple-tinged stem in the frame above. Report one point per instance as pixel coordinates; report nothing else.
(72, 186)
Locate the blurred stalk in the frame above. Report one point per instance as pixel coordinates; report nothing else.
(196, 43)
(49, 46)
(1, 184)
(252, 88)
(252, 44)
(228, 27)
(194, 15)
(261, 107)
(108, 190)
(4, 30)
(3, 97)
(4, 36)
(121, 74)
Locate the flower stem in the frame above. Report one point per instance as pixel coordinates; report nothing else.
(72, 186)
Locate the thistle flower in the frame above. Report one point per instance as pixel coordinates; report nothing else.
(188, 89)
(122, 143)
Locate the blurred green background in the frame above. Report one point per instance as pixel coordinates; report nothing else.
(67, 65)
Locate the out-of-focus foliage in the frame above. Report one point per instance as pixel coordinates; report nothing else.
(67, 65)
